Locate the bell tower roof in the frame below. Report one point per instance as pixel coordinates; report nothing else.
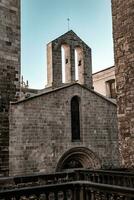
(69, 35)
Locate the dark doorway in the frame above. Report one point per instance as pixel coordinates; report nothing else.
(70, 164)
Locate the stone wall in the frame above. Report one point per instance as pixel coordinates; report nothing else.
(40, 130)
(123, 33)
(9, 70)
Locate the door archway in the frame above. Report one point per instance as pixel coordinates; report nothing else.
(78, 157)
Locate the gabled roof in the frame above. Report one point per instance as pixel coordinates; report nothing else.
(70, 35)
(103, 70)
(51, 90)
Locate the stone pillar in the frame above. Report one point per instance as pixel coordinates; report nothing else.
(9, 71)
(72, 61)
(54, 64)
(49, 65)
(87, 67)
(84, 66)
(123, 34)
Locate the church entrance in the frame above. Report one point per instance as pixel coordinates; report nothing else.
(78, 157)
(72, 164)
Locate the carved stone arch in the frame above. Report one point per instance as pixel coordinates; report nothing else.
(81, 156)
(79, 48)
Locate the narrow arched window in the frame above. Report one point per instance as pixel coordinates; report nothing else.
(66, 66)
(76, 65)
(79, 66)
(75, 118)
(63, 63)
(111, 88)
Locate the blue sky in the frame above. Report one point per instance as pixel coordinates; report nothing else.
(45, 20)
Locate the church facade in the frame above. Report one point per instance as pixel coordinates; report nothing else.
(68, 125)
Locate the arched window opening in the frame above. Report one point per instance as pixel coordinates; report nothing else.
(66, 70)
(75, 118)
(76, 65)
(63, 63)
(111, 88)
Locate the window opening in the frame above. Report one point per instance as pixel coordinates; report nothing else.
(76, 65)
(79, 64)
(66, 61)
(63, 63)
(111, 90)
(75, 118)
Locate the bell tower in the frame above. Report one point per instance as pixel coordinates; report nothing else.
(70, 43)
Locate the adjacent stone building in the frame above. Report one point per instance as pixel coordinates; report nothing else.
(104, 82)
(68, 125)
(9, 71)
(123, 33)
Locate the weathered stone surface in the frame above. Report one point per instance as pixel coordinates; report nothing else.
(9, 70)
(123, 33)
(40, 129)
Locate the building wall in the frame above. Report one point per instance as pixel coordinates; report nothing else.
(9, 70)
(40, 130)
(123, 34)
(100, 78)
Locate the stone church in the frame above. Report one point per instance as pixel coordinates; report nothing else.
(68, 125)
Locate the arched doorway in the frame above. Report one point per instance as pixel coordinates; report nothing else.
(78, 157)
